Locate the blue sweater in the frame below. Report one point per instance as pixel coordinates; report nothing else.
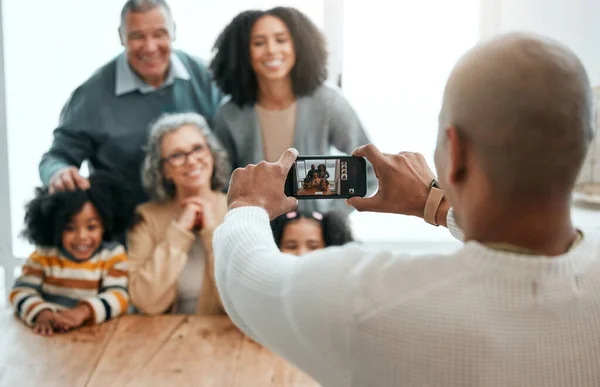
(110, 130)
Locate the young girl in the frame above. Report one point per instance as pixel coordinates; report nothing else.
(300, 232)
(78, 272)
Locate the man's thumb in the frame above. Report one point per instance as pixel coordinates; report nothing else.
(361, 204)
(290, 204)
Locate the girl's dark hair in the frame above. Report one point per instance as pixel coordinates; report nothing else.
(335, 226)
(231, 67)
(47, 215)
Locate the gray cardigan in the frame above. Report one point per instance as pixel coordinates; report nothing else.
(323, 119)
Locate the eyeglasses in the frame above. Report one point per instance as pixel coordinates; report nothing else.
(179, 159)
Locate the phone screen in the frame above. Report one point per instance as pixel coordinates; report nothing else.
(327, 177)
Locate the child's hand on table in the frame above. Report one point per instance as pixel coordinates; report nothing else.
(73, 318)
(44, 323)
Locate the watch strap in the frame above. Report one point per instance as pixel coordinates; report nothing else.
(432, 204)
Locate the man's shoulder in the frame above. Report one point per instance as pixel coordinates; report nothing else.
(387, 277)
(591, 241)
(192, 62)
(101, 81)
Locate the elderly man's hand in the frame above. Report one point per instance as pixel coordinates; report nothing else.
(262, 185)
(404, 182)
(68, 179)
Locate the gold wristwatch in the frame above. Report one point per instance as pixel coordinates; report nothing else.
(433, 202)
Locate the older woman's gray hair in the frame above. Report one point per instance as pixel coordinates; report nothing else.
(153, 178)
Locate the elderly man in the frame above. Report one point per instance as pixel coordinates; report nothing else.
(106, 119)
(519, 305)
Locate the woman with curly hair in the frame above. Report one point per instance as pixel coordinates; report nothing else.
(78, 271)
(273, 64)
(170, 246)
(300, 232)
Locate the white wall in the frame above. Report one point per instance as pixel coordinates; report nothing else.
(575, 23)
(397, 57)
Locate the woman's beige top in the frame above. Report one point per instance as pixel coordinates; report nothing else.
(277, 127)
(159, 251)
(191, 279)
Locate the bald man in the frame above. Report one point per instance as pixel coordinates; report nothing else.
(518, 305)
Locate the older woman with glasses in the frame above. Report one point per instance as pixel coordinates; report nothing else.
(170, 246)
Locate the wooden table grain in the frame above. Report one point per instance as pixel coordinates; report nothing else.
(137, 350)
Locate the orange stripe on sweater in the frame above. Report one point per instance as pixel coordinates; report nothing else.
(28, 270)
(116, 259)
(73, 283)
(48, 261)
(122, 301)
(116, 273)
(12, 296)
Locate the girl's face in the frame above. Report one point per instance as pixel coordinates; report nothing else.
(302, 236)
(83, 235)
(272, 52)
(188, 161)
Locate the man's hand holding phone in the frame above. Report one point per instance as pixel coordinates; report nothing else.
(262, 185)
(404, 182)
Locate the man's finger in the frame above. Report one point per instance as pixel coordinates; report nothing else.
(81, 181)
(289, 204)
(236, 175)
(55, 187)
(371, 204)
(371, 153)
(288, 158)
(68, 182)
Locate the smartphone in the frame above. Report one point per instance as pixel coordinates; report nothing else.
(327, 177)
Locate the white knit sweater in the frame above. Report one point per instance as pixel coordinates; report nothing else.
(479, 317)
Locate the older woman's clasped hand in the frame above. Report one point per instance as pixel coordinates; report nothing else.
(198, 213)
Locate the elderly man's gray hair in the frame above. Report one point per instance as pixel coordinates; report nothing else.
(143, 6)
(153, 178)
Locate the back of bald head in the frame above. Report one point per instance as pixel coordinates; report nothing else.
(523, 104)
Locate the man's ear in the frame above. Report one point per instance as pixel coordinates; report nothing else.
(456, 156)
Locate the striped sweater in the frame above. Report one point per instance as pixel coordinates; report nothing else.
(52, 280)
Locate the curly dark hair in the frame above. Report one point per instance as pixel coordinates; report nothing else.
(334, 224)
(48, 214)
(231, 67)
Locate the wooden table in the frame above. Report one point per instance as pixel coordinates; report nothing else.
(135, 350)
